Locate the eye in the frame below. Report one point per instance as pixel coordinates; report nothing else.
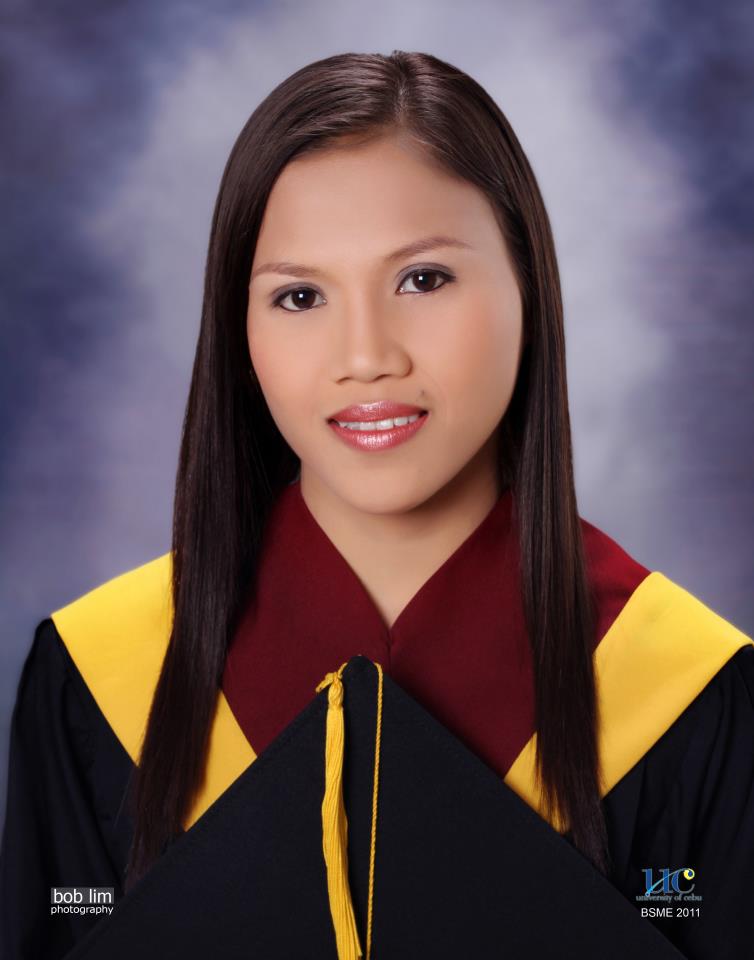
(425, 280)
(301, 296)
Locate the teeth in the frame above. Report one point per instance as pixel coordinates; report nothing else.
(378, 424)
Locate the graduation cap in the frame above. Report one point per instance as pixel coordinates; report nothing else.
(368, 829)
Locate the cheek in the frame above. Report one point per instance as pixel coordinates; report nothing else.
(273, 372)
(473, 362)
(286, 373)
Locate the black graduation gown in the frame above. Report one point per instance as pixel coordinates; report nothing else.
(248, 876)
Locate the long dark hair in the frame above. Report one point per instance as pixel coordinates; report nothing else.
(233, 460)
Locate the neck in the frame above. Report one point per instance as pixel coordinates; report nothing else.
(393, 553)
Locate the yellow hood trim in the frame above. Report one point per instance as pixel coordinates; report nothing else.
(117, 635)
(659, 654)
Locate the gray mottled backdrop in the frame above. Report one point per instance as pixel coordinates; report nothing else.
(117, 121)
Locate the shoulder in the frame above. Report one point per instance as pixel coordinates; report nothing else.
(662, 651)
(55, 711)
(139, 595)
(645, 617)
(723, 716)
(658, 647)
(742, 667)
(46, 674)
(116, 635)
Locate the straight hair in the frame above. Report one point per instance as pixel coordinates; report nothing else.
(233, 460)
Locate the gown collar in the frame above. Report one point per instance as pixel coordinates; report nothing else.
(459, 646)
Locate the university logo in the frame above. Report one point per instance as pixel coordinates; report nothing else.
(669, 881)
(666, 884)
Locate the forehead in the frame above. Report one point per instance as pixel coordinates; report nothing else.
(365, 196)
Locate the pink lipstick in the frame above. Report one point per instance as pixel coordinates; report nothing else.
(377, 425)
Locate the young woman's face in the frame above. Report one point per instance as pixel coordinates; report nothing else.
(339, 315)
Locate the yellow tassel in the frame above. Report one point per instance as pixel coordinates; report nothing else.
(335, 824)
(375, 792)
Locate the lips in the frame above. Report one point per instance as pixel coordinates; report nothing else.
(377, 410)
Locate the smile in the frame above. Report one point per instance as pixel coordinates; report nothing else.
(378, 434)
(377, 424)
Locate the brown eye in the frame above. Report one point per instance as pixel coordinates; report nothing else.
(425, 281)
(301, 298)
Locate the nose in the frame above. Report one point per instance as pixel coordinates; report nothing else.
(368, 342)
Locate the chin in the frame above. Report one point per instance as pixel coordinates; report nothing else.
(379, 493)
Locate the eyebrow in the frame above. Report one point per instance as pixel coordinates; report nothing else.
(411, 249)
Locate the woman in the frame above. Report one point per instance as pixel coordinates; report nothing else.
(376, 460)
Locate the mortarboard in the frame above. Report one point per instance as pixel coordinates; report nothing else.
(367, 827)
